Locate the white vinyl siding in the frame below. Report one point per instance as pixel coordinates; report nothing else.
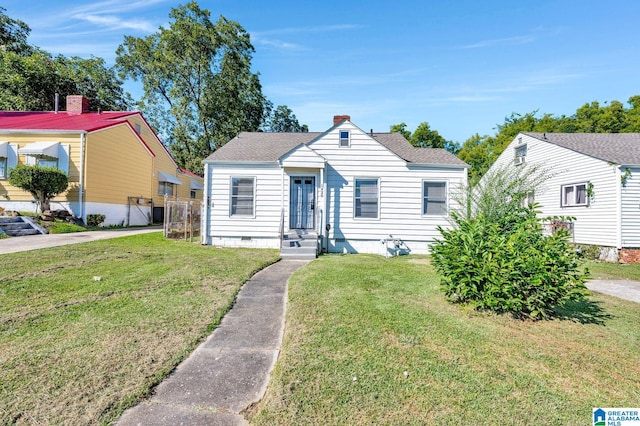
(400, 192)
(630, 209)
(399, 195)
(599, 222)
(242, 196)
(434, 198)
(366, 198)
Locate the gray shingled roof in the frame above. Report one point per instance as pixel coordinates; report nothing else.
(619, 148)
(264, 146)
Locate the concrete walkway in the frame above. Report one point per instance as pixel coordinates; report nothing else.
(624, 289)
(231, 369)
(35, 242)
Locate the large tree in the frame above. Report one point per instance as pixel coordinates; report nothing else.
(199, 90)
(13, 34)
(30, 77)
(282, 119)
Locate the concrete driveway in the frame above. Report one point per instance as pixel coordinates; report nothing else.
(35, 242)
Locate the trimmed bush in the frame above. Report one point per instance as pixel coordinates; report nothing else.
(503, 263)
(43, 183)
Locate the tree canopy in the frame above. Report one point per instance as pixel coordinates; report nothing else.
(481, 151)
(282, 119)
(30, 77)
(199, 90)
(424, 137)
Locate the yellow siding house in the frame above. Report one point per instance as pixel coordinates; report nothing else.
(115, 162)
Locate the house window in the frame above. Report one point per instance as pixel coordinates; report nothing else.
(3, 168)
(242, 196)
(434, 198)
(344, 139)
(520, 154)
(366, 198)
(165, 188)
(138, 128)
(47, 162)
(574, 195)
(193, 194)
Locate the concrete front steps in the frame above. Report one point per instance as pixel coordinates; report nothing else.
(20, 226)
(299, 244)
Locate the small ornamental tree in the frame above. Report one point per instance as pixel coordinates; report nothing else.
(497, 258)
(43, 183)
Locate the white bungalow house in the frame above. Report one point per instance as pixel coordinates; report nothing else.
(595, 179)
(345, 190)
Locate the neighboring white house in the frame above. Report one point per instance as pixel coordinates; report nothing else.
(595, 179)
(353, 188)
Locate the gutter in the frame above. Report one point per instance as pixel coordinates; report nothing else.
(618, 208)
(83, 136)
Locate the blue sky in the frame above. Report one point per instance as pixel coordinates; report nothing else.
(462, 66)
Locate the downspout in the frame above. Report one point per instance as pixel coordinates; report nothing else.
(281, 202)
(326, 206)
(206, 208)
(83, 136)
(618, 209)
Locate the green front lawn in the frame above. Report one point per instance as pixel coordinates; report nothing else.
(87, 329)
(373, 341)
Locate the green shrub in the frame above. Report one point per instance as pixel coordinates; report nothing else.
(504, 263)
(43, 183)
(95, 219)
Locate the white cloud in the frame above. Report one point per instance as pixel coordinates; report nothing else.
(115, 23)
(508, 41)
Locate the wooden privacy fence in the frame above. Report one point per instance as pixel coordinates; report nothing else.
(182, 219)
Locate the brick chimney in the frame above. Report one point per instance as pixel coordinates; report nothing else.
(77, 104)
(338, 118)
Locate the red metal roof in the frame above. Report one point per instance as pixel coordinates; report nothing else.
(36, 120)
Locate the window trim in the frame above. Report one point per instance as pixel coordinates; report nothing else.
(356, 198)
(253, 196)
(519, 159)
(341, 139)
(446, 198)
(4, 172)
(575, 192)
(164, 185)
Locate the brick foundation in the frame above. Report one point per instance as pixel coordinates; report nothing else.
(629, 255)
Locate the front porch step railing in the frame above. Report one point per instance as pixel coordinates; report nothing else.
(299, 245)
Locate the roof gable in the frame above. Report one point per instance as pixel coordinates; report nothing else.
(272, 147)
(618, 148)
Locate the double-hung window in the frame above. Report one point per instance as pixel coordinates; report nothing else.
(345, 141)
(574, 195)
(242, 196)
(366, 198)
(434, 200)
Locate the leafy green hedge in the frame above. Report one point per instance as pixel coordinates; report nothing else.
(508, 269)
